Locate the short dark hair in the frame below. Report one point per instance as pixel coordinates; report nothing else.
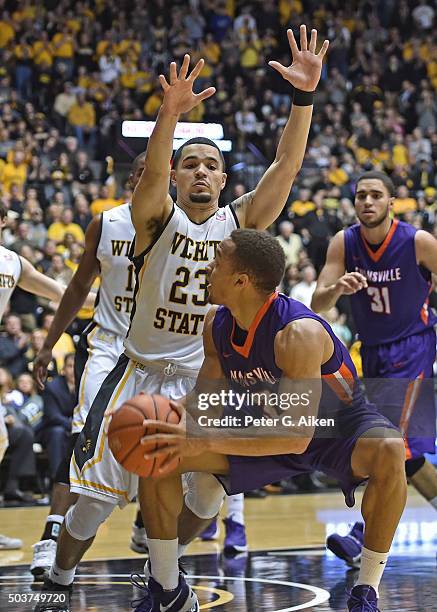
(199, 140)
(138, 161)
(260, 256)
(3, 212)
(381, 176)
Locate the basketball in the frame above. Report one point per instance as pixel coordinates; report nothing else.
(126, 430)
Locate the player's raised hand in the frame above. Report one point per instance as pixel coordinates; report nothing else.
(306, 67)
(40, 366)
(350, 283)
(178, 93)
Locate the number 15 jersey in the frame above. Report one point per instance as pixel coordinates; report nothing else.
(395, 303)
(171, 298)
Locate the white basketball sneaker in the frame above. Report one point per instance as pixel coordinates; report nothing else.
(44, 553)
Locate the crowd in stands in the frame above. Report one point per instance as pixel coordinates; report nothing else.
(71, 72)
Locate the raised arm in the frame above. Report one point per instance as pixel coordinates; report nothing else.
(261, 207)
(333, 280)
(426, 250)
(151, 202)
(73, 299)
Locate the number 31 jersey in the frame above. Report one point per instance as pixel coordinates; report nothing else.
(395, 303)
(171, 298)
(115, 298)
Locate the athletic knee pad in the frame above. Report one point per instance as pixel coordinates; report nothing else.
(85, 517)
(204, 496)
(413, 465)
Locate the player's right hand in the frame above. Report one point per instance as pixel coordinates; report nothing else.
(350, 283)
(178, 94)
(40, 366)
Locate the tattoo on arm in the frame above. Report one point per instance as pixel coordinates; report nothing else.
(243, 201)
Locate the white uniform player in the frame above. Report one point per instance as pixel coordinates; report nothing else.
(10, 272)
(167, 319)
(105, 335)
(14, 270)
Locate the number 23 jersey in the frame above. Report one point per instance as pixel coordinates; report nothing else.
(395, 303)
(171, 298)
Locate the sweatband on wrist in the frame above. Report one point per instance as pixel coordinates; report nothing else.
(303, 98)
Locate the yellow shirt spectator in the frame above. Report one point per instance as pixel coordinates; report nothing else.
(400, 155)
(63, 346)
(82, 113)
(7, 33)
(42, 53)
(128, 76)
(13, 173)
(249, 53)
(58, 230)
(104, 202)
(403, 205)
(338, 176)
(129, 47)
(27, 12)
(63, 45)
(288, 8)
(355, 353)
(301, 208)
(153, 103)
(143, 81)
(101, 47)
(84, 313)
(20, 50)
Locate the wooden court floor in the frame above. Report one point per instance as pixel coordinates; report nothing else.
(287, 567)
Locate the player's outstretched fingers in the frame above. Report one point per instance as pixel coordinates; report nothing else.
(184, 68)
(206, 93)
(173, 73)
(313, 41)
(323, 49)
(196, 70)
(303, 38)
(163, 81)
(292, 42)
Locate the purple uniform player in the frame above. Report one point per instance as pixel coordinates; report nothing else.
(385, 266)
(262, 340)
(397, 332)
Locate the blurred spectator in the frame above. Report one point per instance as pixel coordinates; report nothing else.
(290, 242)
(338, 323)
(64, 345)
(104, 202)
(66, 225)
(403, 203)
(20, 451)
(59, 399)
(82, 119)
(37, 338)
(13, 345)
(303, 291)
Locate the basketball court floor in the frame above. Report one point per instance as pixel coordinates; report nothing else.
(286, 569)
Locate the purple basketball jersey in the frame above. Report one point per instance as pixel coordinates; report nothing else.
(395, 303)
(252, 366)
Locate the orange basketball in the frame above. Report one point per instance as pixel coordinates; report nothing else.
(126, 430)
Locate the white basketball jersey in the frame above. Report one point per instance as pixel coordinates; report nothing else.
(117, 278)
(10, 272)
(171, 298)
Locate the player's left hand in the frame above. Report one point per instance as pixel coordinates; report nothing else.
(305, 70)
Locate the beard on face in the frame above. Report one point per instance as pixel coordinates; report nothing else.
(200, 198)
(376, 222)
